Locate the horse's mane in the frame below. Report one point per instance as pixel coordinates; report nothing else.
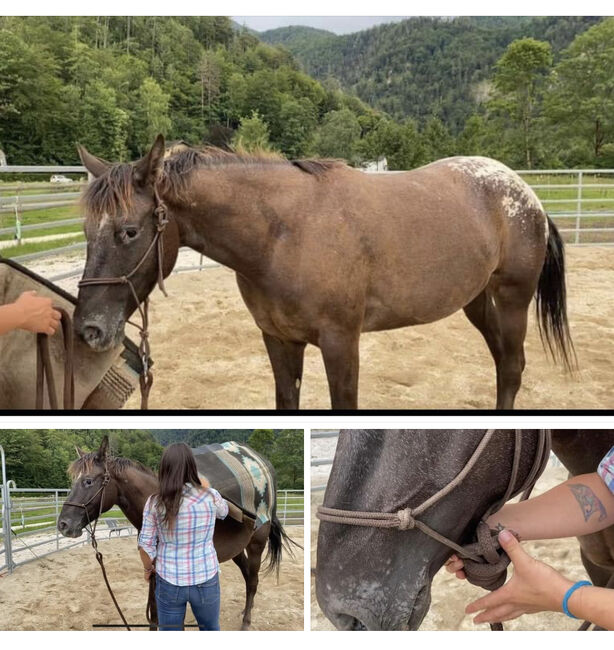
(111, 193)
(117, 465)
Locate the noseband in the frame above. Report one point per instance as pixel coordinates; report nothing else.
(485, 564)
(161, 214)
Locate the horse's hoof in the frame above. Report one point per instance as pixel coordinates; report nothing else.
(245, 626)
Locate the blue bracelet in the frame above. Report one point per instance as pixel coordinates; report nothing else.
(570, 591)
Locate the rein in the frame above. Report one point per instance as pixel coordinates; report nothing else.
(92, 531)
(44, 367)
(485, 563)
(161, 214)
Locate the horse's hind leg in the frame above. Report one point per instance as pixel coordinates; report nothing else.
(287, 362)
(249, 563)
(500, 313)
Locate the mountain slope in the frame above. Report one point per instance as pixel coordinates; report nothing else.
(421, 66)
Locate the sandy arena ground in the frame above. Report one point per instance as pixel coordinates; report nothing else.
(208, 352)
(66, 591)
(450, 596)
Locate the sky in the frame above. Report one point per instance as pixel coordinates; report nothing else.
(336, 24)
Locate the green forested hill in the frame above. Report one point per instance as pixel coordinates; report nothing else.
(422, 67)
(39, 458)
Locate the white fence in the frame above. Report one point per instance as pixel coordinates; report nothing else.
(290, 507)
(581, 202)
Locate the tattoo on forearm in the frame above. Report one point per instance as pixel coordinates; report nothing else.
(588, 501)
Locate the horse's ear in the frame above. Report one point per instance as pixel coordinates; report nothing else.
(148, 169)
(94, 165)
(101, 454)
(80, 452)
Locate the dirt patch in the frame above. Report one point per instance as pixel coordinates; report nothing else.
(65, 591)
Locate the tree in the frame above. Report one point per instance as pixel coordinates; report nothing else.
(263, 441)
(518, 84)
(338, 136)
(437, 140)
(151, 114)
(252, 134)
(298, 120)
(580, 100)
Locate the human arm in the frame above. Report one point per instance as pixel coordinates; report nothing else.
(29, 312)
(221, 505)
(579, 506)
(148, 539)
(537, 587)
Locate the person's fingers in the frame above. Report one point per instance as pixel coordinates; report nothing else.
(55, 314)
(494, 599)
(50, 330)
(511, 546)
(498, 614)
(454, 565)
(32, 292)
(461, 575)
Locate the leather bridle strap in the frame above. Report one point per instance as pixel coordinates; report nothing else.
(44, 367)
(92, 530)
(157, 243)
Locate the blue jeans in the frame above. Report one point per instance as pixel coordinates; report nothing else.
(204, 600)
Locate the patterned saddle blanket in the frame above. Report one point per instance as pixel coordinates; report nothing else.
(241, 476)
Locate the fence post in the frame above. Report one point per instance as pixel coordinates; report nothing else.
(579, 207)
(6, 515)
(57, 515)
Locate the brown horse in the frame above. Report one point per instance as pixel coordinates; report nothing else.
(129, 487)
(323, 252)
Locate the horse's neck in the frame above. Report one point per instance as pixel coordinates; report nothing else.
(231, 214)
(133, 489)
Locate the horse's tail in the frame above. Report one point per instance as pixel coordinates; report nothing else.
(551, 301)
(278, 540)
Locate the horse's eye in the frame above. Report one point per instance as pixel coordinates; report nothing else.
(88, 482)
(130, 232)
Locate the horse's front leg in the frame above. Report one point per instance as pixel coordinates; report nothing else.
(340, 354)
(286, 359)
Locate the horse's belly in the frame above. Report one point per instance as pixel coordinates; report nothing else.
(423, 302)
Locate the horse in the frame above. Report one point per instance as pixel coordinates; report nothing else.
(378, 578)
(129, 486)
(323, 252)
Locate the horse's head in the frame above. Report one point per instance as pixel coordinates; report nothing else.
(91, 485)
(121, 224)
(376, 578)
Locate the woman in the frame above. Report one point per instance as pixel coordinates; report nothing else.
(177, 534)
(580, 506)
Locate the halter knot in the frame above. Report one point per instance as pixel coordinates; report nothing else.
(406, 519)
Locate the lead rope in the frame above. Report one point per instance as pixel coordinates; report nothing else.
(146, 376)
(44, 367)
(92, 531)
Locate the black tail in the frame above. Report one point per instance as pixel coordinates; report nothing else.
(552, 302)
(278, 540)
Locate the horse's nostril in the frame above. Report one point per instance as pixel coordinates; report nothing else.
(91, 333)
(62, 525)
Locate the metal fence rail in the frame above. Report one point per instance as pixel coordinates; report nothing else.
(290, 507)
(583, 217)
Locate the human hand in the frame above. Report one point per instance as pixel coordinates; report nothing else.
(456, 565)
(148, 573)
(534, 587)
(36, 313)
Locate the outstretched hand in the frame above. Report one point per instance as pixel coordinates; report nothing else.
(534, 587)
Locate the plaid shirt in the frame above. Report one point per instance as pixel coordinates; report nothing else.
(606, 469)
(185, 555)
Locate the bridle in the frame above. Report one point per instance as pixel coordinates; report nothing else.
(161, 214)
(91, 528)
(485, 563)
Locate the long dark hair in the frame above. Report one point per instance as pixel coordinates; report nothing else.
(177, 468)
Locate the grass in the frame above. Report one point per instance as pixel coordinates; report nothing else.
(35, 247)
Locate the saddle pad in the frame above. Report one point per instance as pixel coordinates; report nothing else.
(103, 380)
(241, 476)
